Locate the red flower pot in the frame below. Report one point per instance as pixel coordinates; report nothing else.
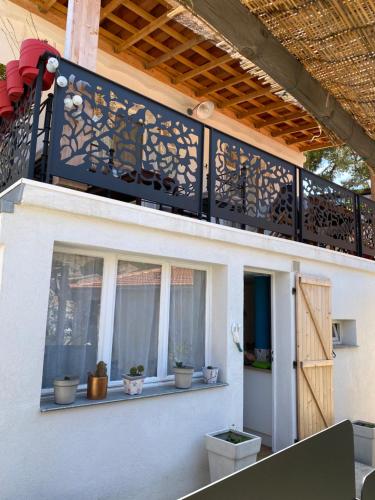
(14, 81)
(31, 50)
(6, 108)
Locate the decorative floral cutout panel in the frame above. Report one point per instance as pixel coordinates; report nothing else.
(250, 186)
(120, 140)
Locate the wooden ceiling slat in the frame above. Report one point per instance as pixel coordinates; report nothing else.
(174, 52)
(280, 119)
(246, 97)
(46, 5)
(200, 69)
(305, 138)
(224, 84)
(299, 128)
(109, 8)
(316, 146)
(152, 26)
(263, 109)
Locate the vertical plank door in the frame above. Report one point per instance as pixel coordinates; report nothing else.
(314, 355)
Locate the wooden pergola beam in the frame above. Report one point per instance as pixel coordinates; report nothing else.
(175, 52)
(280, 119)
(246, 97)
(253, 40)
(152, 26)
(298, 128)
(201, 69)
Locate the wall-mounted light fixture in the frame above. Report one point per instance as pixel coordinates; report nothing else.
(203, 110)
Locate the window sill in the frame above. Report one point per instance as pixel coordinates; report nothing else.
(344, 346)
(117, 395)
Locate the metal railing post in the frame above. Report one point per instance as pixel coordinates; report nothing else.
(46, 129)
(36, 114)
(300, 205)
(358, 224)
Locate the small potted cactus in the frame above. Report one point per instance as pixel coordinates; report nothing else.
(133, 381)
(183, 375)
(65, 389)
(97, 382)
(210, 374)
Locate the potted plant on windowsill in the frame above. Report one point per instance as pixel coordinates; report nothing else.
(31, 51)
(230, 450)
(183, 375)
(14, 81)
(65, 389)
(210, 374)
(133, 381)
(97, 383)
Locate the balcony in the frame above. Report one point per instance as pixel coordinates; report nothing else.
(123, 145)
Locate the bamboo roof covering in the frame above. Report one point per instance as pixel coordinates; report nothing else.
(153, 36)
(335, 41)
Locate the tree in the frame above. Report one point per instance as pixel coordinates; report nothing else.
(341, 165)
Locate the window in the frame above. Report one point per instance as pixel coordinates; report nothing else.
(126, 312)
(73, 316)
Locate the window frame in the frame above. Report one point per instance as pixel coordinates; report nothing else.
(337, 339)
(108, 300)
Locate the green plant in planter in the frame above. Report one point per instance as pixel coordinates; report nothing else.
(2, 72)
(234, 438)
(136, 371)
(180, 364)
(101, 369)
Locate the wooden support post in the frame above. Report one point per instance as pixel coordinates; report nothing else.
(82, 32)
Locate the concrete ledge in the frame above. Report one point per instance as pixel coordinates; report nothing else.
(56, 198)
(117, 395)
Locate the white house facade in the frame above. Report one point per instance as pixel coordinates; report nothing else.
(187, 272)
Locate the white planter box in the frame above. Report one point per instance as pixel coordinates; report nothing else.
(364, 442)
(133, 385)
(210, 374)
(225, 457)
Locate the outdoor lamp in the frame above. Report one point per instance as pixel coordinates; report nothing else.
(203, 110)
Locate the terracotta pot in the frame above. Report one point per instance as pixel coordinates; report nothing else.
(14, 81)
(31, 51)
(96, 387)
(6, 108)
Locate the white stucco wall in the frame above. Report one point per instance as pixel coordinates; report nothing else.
(153, 448)
(120, 72)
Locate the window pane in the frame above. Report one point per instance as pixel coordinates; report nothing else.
(187, 318)
(73, 317)
(136, 325)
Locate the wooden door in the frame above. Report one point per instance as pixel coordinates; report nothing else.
(314, 355)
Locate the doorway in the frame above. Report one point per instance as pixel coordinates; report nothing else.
(258, 354)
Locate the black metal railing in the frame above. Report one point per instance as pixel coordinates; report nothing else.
(121, 144)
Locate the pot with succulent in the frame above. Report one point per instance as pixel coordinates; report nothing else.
(97, 382)
(65, 389)
(210, 374)
(6, 108)
(133, 381)
(183, 375)
(230, 450)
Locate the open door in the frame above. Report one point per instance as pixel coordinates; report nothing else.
(314, 355)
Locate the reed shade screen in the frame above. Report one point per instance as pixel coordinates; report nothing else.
(335, 42)
(149, 35)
